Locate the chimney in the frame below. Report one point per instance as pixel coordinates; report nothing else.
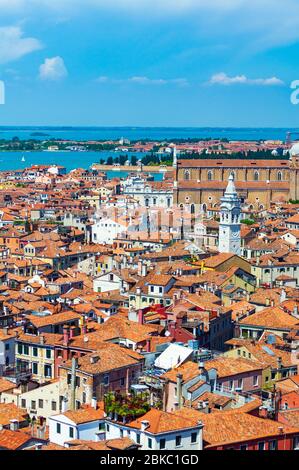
(94, 403)
(66, 335)
(42, 340)
(179, 384)
(13, 424)
(144, 269)
(283, 295)
(139, 268)
(84, 329)
(72, 331)
(140, 316)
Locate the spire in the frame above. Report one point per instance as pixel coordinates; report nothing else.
(231, 188)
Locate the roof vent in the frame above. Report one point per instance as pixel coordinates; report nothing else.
(94, 358)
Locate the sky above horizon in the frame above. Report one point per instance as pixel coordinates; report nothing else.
(192, 63)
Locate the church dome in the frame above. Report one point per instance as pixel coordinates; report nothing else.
(294, 150)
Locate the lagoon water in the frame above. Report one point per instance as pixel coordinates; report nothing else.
(136, 133)
(71, 160)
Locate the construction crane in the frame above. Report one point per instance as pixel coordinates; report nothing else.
(289, 137)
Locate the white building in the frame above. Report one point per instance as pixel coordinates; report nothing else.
(148, 194)
(7, 349)
(106, 230)
(40, 401)
(230, 226)
(159, 430)
(86, 424)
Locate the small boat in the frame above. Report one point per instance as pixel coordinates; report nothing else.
(23, 159)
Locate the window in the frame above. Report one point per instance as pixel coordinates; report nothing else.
(122, 381)
(53, 406)
(279, 176)
(149, 443)
(187, 175)
(138, 438)
(273, 445)
(243, 447)
(33, 405)
(210, 176)
(256, 176)
(255, 381)
(34, 352)
(162, 443)
(240, 384)
(106, 379)
(23, 403)
(71, 432)
(34, 368)
(40, 403)
(48, 371)
(58, 428)
(178, 441)
(26, 349)
(7, 346)
(102, 427)
(108, 429)
(193, 437)
(261, 446)
(48, 353)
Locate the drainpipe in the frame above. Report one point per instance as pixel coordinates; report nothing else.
(73, 384)
(179, 389)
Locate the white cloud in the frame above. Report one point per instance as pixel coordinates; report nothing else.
(13, 44)
(143, 80)
(269, 22)
(224, 79)
(53, 69)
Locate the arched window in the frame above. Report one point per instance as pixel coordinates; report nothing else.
(192, 209)
(204, 208)
(279, 176)
(187, 175)
(256, 176)
(210, 175)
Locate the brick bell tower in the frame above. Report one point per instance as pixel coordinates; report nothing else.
(294, 173)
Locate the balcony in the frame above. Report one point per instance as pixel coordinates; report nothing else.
(17, 374)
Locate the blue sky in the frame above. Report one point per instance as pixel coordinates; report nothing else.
(149, 62)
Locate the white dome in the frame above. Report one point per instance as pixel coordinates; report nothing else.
(294, 150)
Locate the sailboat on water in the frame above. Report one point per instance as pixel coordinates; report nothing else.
(23, 159)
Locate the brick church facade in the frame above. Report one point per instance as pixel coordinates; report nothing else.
(201, 183)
